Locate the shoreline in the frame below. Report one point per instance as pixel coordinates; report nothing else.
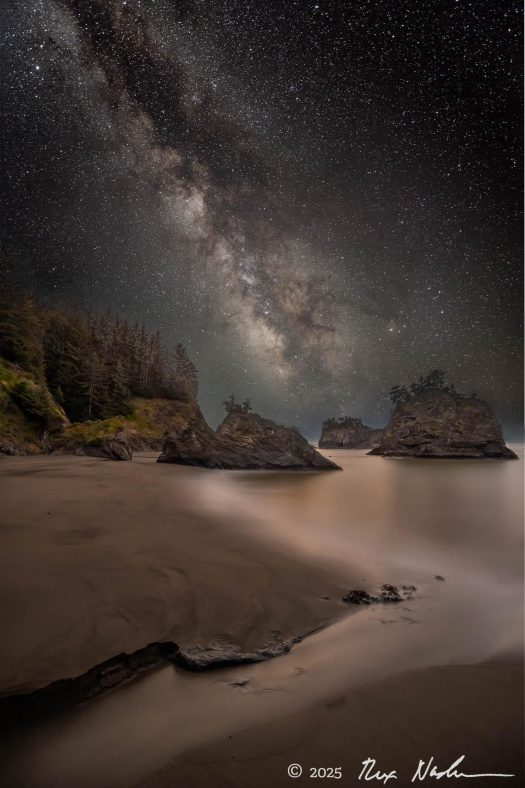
(100, 557)
(123, 668)
(104, 559)
(435, 711)
(438, 711)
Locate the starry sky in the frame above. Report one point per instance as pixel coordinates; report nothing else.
(319, 198)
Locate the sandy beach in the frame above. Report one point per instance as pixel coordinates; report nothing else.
(106, 557)
(440, 712)
(261, 394)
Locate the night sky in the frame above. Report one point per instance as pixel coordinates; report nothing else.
(319, 199)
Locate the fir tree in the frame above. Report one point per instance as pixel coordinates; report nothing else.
(185, 370)
(231, 404)
(92, 364)
(21, 333)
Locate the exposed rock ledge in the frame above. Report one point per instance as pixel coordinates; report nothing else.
(124, 667)
(443, 425)
(244, 441)
(388, 593)
(115, 448)
(196, 658)
(116, 438)
(218, 655)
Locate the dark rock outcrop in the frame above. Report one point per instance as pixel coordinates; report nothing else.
(387, 593)
(100, 679)
(243, 441)
(113, 672)
(115, 449)
(110, 444)
(145, 429)
(219, 655)
(444, 425)
(7, 447)
(348, 433)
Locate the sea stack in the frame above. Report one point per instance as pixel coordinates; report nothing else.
(348, 433)
(244, 441)
(445, 425)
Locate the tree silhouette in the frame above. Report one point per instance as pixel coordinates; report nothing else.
(93, 364)
(185, 370)
(436, 379)
(231, 404)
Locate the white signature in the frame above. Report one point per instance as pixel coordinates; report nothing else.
(424, 770)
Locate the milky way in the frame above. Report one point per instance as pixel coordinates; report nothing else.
(319, 199)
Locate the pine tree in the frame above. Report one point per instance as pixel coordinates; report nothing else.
(21, 333)
(92, 364)
(143, 357)
(66, 347)
(92, 379)
(230, 404)
(399, 394)
(435, 379)
(185, 370)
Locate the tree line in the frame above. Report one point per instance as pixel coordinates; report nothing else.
(92, 364)
(436, 379)
(232, 406)
(343, 421)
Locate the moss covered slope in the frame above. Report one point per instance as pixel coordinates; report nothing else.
(29, 415)
(143, 429)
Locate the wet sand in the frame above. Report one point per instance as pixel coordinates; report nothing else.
(445, 712)
(101, 557)
(148, 552)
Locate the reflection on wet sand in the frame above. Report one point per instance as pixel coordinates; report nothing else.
(379, 521)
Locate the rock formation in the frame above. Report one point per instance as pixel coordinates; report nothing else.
(387, 593)
(123, 668)
(97, 680)
(443, 424)
(115, 447)
(145, 429)
(348, 433)
(243, 440)
(198, 657)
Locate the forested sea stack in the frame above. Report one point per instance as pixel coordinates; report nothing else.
(244, 440)
(348, 433)
(431, 419)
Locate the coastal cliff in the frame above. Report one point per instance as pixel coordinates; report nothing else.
(29, 414)
(89, 384)
(348, 433)
(144, 429)
(33, 422)
(244, 440)
(443, 424)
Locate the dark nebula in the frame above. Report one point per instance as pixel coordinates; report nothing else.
(319, 199)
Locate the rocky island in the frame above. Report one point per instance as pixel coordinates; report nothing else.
(431, 419)
(348, 433)
(243, 440)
